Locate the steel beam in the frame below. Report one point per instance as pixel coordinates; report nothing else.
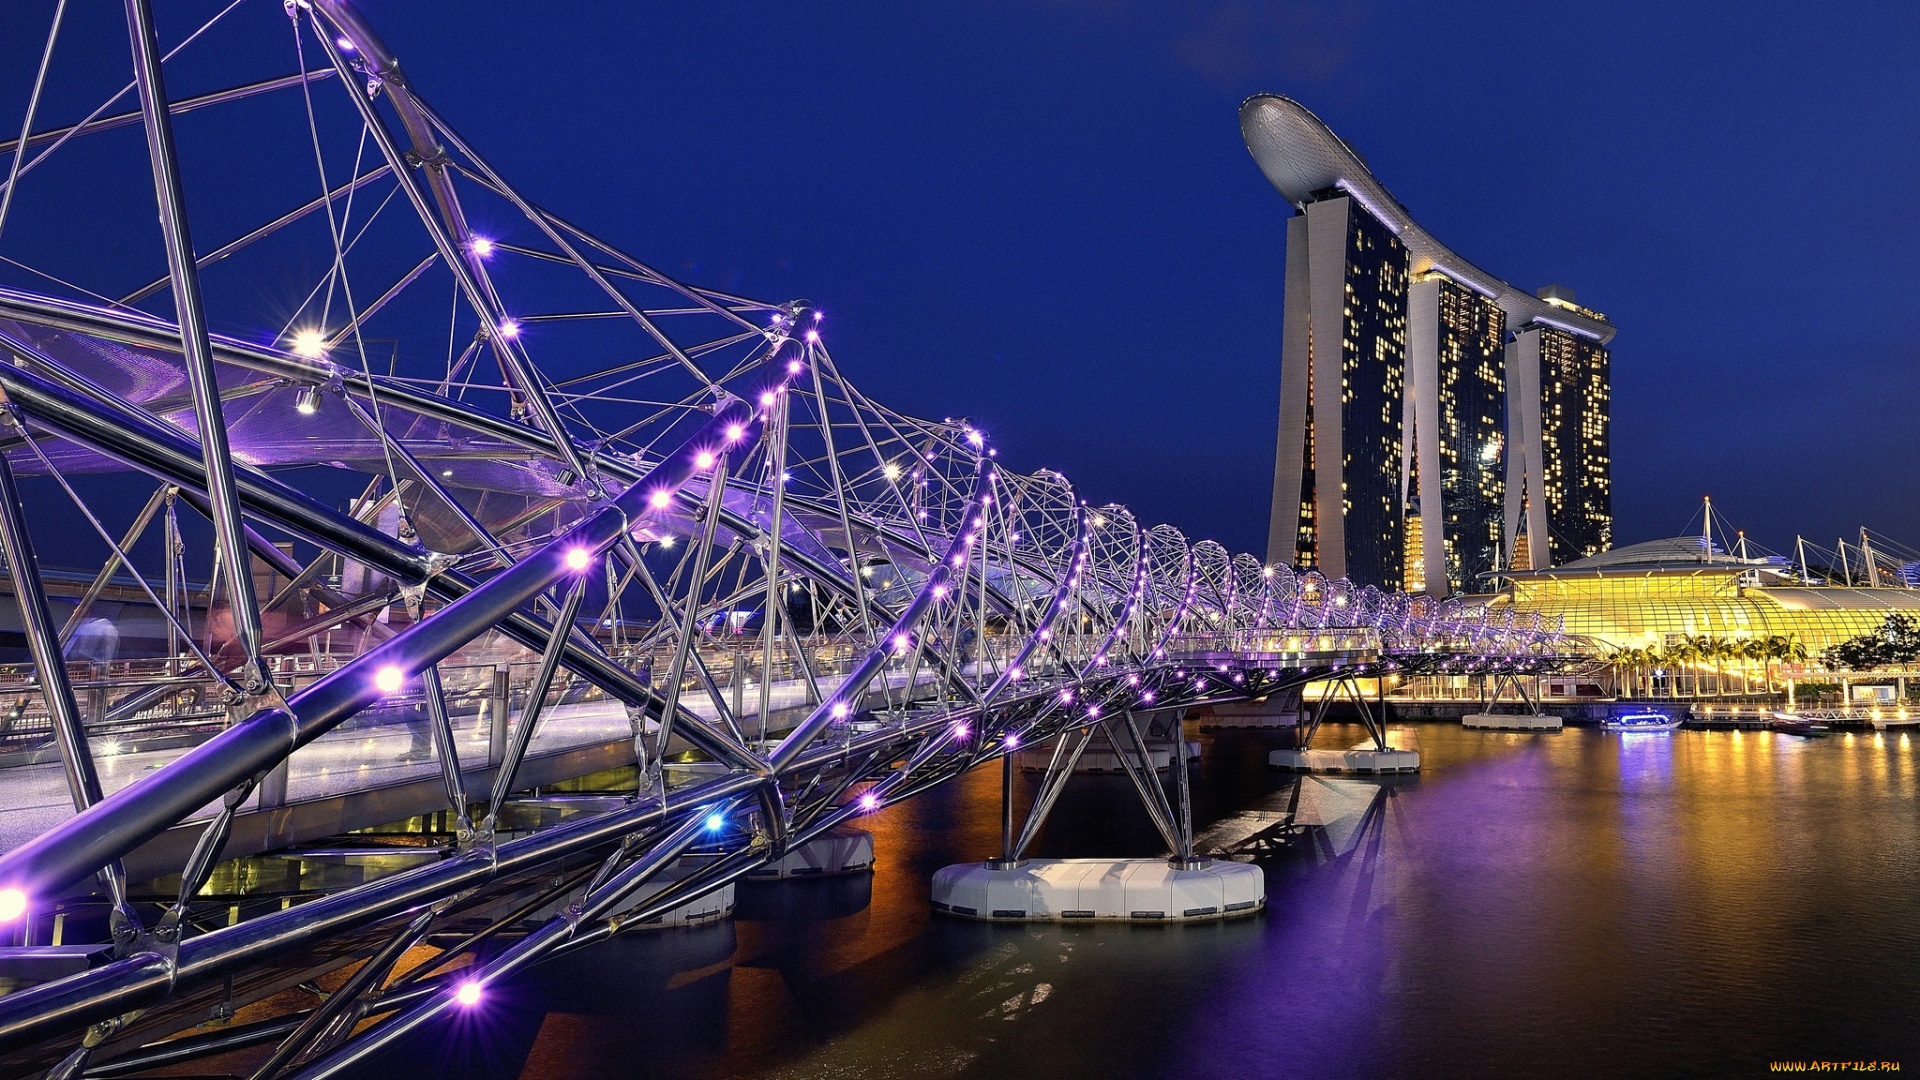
(195, 346)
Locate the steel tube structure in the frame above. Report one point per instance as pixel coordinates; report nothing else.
(196, 348)
(906, 606)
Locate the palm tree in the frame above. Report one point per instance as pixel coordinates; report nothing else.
(1751, 650)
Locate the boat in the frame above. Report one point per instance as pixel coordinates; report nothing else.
(1794, 724)
(1647, 721)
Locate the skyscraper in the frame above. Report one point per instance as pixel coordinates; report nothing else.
(1337, 481)
(1560, 474)
(1456, 413)
(1472, 416)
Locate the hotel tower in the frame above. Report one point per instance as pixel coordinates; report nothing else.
(1436, 423)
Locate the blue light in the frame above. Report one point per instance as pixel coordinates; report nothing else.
(716, 821)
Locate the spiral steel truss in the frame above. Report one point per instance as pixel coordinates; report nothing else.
(647, 502)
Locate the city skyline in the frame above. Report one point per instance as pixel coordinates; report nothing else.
(1064, 188)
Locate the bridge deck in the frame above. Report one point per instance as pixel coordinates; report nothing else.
(359, 776)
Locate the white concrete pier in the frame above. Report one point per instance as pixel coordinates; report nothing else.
(844, 850)
(1511, 722)
(713, 906)
(1122, 890)
(1346, 761)
(1269, 712)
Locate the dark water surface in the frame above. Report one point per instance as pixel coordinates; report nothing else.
(1581, 904)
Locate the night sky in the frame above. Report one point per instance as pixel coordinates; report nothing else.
(1041, 216)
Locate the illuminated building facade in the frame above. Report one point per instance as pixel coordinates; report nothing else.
(1473, 415)
(1560, 471)
(1456, 419)
(1659, 593)
(1337, 473)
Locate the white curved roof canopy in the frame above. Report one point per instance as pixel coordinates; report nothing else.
(1301, 155)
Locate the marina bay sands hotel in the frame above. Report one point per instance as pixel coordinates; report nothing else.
(1436, 423)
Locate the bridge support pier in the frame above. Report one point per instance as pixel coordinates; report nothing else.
(1183, 887)
(1530, 719)
(1364, 758)
(1280, 709)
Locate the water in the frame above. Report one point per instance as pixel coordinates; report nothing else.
(1581, 904)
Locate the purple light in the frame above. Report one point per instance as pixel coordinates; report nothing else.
(902, 643)
(735, 432)
(818, 315)
(482, 247)
(767, 398)
(869, 802)
(839, 709)
(659, 499)
(13, 904)
(793, 367)
(1013, 741)
(389, 679)
(345, 45)
(960, 730)
(470, 993)
(579, 559)
(813, 335)
(509, 329)
(703, 460)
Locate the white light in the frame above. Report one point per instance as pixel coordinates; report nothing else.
(482, 246)
(509, 329)
(309, 343)
(389, 679)
(13, 904)
(660, 499)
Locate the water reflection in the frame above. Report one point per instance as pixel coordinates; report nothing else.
(1577, 905)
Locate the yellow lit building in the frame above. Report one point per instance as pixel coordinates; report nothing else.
(1654, 593)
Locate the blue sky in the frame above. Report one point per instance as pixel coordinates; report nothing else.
(1041, 216)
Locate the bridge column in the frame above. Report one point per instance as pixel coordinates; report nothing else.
(499, 710)
(1183, 887)
(1008, 857)
(1370, 756)
(1529, 718)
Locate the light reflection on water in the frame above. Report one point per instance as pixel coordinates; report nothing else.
(1581, 904)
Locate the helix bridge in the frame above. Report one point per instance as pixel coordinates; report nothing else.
(462, 515)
